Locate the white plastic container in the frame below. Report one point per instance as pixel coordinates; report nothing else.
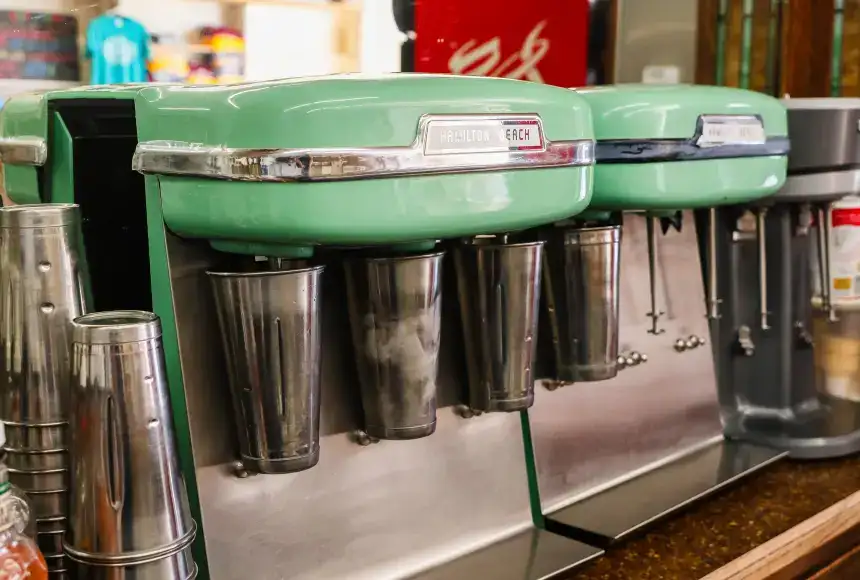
(844, 252)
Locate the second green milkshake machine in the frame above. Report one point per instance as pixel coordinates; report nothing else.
(647, 437)
(349, 308)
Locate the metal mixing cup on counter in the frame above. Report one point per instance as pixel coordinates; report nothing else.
(395, 312)
(581, 283)
(270, 328)
(128, 516)
(42, 281)
(499, 290)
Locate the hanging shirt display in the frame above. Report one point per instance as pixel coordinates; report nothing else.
(118, 49)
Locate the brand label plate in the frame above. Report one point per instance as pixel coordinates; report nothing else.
(731, 130)
(482, 135)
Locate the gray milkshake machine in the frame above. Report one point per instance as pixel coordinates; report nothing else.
(784, 333)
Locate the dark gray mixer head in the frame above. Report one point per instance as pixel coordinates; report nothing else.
(824, 163)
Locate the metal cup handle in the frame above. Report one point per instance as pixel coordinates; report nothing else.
(501, 325)
(111, 454)
(82, 294)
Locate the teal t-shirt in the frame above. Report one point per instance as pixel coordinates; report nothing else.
(118, 49)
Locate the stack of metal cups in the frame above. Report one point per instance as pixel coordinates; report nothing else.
(129, 516)
(41, 286)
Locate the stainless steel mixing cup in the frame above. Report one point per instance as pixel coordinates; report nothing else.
(581, 271)
(499, 290)
(395, 312)
(270, 328)
(41, 282)
(128, 501)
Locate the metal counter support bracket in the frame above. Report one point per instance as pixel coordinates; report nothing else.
(466, 412)
(361, 438)
(552, 385)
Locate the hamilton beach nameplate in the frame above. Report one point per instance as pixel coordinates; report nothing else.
(449, 135)
(716, 130)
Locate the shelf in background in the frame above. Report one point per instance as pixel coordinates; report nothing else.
(291, 3)
(10, 87)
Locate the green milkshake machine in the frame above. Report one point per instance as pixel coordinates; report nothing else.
(652, 427)
(348, 301)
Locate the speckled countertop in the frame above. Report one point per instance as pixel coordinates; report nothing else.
(716, 531)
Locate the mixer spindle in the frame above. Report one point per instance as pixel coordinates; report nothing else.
(282, 264)
(713, 291)
(762, 267)
(655, 314)
(824, 226)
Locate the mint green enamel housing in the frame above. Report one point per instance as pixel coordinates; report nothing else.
(687, 184)
(656, 113)
(28, 115)
(330, 112)
(359, 112)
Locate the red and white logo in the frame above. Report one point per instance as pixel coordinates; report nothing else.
(544, 42)
(486, 59)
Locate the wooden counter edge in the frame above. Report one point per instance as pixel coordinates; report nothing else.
(800, 548)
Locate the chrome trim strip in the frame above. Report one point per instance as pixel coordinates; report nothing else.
(721, 136)
(286, 165)
(666, 150)
(292, 165)
(23, 151)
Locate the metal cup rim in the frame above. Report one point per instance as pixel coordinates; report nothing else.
(395, 257)
(25, 424)
(37, 215)
(499, 246)
(265, 273)
(34, 451)
(34, 472)
(596, 235)
(116, 327)
(41, 492)
(597, 228)
(133, 558)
